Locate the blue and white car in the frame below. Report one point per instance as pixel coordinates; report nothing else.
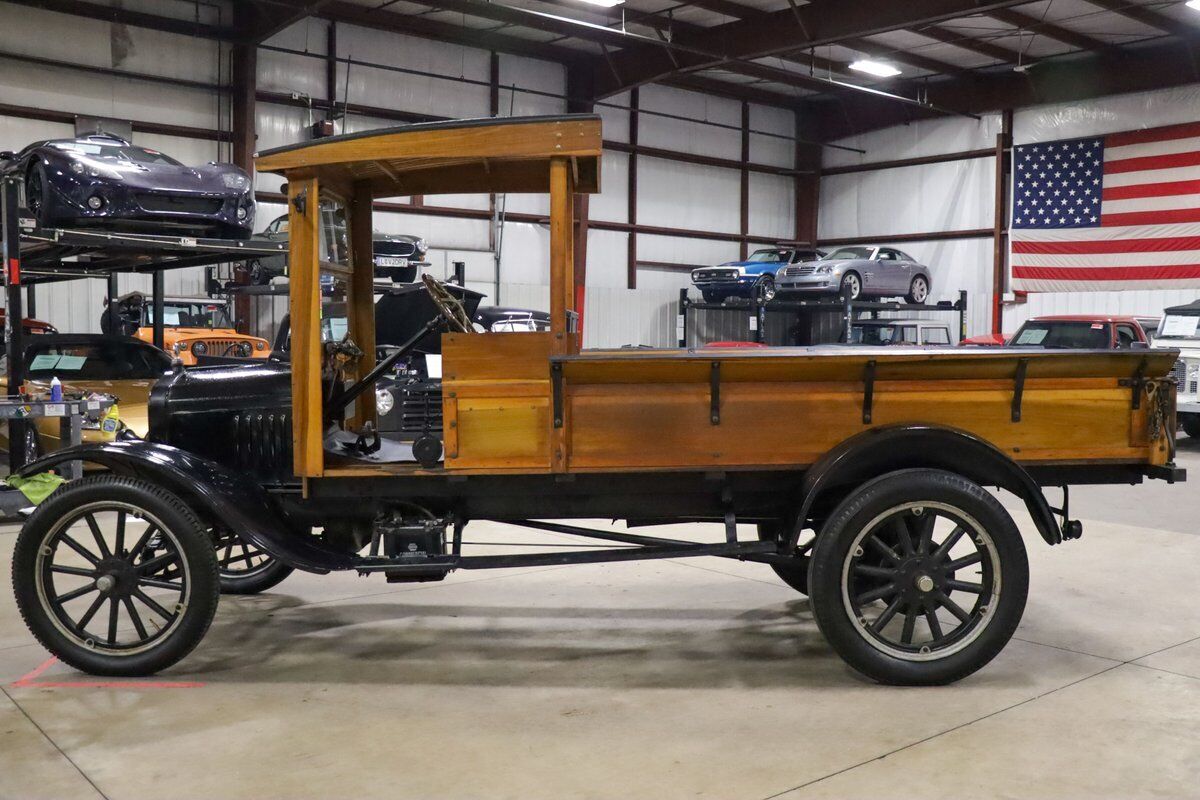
(754, 277)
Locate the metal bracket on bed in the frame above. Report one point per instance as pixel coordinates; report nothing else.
(556, 389)
(714, 393)
(1019, 388)
(1137, 382)
(868, 391)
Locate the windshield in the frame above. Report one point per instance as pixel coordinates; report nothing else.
(333, 329)
(189, 315)
(99, 151)
(847, 253)
(769, 256)
(1180, 326)
(1072, 335)
(100, 360)
(519, 325)
(883, 334)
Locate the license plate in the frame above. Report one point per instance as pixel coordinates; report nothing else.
(390, 261)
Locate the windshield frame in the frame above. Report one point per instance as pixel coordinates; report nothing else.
(221, 310)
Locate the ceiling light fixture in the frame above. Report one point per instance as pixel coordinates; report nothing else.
(878, 69)
(604, 3)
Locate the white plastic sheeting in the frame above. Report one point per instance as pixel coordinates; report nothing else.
(615, 120)
(530, 73)
(771, 149)
(953, 195)
(928, 137)
(690, 137)
(676, 195)
(612, 203)
(772, 205)
(1127, 112)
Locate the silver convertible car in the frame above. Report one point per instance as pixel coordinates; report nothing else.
(856, 272)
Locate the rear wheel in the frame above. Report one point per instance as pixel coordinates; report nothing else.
(919, 578)
(244, 569)
(115, 576)
(1191, 425)
(918, 290)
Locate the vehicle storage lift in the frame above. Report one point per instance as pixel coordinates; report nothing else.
(34, 255)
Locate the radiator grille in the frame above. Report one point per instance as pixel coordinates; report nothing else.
(217, 347)
(179, 204)
(715, 275)
(795, 272)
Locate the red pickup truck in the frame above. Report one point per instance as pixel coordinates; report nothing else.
(1071, 331)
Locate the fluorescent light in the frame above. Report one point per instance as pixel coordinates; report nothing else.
(1194, 4)
(604, 3)
(887, 70)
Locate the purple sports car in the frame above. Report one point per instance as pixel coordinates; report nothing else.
(104, 181)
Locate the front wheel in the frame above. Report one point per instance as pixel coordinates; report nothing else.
(850, 287)
(918, 290)
(919, 578)
(115, 576)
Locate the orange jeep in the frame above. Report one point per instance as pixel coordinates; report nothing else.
(192, 327)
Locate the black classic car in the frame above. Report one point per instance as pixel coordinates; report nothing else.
(101, 180)
(397, 256)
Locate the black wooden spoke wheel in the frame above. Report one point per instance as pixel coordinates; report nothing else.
(245, 569)
(919, 578)
(115, 576)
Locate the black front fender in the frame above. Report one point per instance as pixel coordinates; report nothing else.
(217, 494)
(879, 451)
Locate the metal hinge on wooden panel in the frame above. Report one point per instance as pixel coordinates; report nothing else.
(714, 393)
(1137, 382)
(556, 390)
(868, 392)
(1019, 388)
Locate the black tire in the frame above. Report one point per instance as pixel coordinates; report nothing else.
(1191, 425)
(851, 286)
(794, 575)
(918, 290)
(259, 275)
(764, 290)
(161, 523)
(244, 569)
(849, 566)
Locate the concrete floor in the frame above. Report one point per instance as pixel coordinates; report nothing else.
(702, 678)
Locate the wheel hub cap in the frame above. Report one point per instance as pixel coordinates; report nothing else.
(925, 583)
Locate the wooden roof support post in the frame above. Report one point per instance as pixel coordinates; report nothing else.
(361, 299)
(305, 301)
(562, 252)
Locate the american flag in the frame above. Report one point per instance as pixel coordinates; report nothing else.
(1120, 211)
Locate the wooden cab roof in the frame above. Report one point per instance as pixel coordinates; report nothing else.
(502, 154)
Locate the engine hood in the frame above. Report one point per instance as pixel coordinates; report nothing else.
(401, 312)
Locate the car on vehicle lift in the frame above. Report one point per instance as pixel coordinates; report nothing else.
(104, 181)
(397, 255)
(1071, 332)
(875, 508)
(1180, 330)
(858, 272)
(754, 277)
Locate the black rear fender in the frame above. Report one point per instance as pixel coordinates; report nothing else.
(878, 451)
(218, 495)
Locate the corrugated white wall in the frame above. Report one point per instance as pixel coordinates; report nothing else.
(673, 194)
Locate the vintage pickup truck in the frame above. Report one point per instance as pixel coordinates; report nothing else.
(872, 502)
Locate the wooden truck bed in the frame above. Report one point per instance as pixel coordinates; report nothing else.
(511, 405)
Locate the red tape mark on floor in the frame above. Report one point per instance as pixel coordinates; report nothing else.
(30, 680)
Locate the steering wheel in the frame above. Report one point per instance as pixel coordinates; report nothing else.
(448, 305)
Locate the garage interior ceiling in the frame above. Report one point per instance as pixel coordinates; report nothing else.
(954, 56)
